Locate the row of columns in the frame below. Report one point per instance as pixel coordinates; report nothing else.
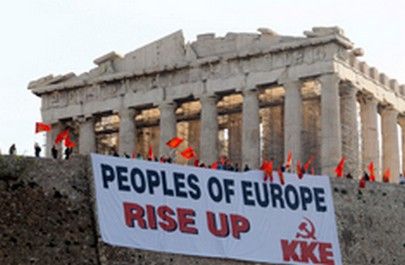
(340, 135)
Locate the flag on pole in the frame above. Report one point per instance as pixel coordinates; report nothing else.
(267, 167)
(69, 143)
(42, 127)
(387, 175)
(371, 171)
(174, 142)
(61, 136)
(150, 153)
(299, 170)
(214, 165)
(281, 175)
(308, 163)
(289, 160)
(188, 153)
(340, 168)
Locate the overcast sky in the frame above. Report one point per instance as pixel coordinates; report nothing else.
(40, 37)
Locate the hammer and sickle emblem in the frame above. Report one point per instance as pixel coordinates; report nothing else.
(306, 230)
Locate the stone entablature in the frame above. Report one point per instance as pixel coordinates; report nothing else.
(169, 72)
(262, 63)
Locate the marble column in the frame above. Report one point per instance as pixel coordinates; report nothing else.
(369, 131)
(50, 139)
(235, 138)
(87, 136)
(350, 129)
(127, 131)
(292, 119)
(250, 130)
(390, 142)
(402, 124)
(209, 129)
(167, 125)
(331, 139)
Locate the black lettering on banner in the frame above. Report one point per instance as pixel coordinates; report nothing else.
(276, 195)
(195, 191)
(138, 181)
(247, 193)
(215, 189)
(179, 184)
(319, 195)
(292, 201)
(107, 173)
(263, 202)
(166, 190)
(153, 180)
(122, 178)
(306, 197)
(229, 190)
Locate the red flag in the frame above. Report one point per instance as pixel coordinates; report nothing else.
(188, 153)
(371, 170)
(340, 168)
(214, 165)
(62, 136)
(69, 143)
(222, 160)
(299, 170)
(150, 153)
(42, 127)
(289, 160)
(196, 162)
(387, 175)
(281, 175)
(174, 142)
(308, 163)
(267, 167)
(362, 183)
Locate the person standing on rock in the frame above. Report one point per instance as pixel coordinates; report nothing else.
(54, 152)
(68, 152)
(13, 150)
(37, 149)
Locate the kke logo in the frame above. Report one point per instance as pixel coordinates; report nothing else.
(305, 248)
(304, 232)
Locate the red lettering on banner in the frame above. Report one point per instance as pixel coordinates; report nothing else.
(223, 231)
(162, 217)
(310, 252)
(307, 251)
(134, 212)
(289, 248)
(326, 253)
(151, 215)
(238, 224)
(165, 213)
(186, 219)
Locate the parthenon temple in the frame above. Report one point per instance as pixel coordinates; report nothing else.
(249, 96)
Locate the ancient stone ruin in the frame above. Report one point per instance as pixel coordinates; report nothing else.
(249, 96)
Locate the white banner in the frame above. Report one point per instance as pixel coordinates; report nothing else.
(215, 213)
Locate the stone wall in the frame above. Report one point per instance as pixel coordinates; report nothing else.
(47, 218)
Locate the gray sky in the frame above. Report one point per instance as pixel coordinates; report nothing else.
(59, 36)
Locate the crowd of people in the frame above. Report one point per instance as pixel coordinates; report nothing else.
(223, 163)
(37, 151)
